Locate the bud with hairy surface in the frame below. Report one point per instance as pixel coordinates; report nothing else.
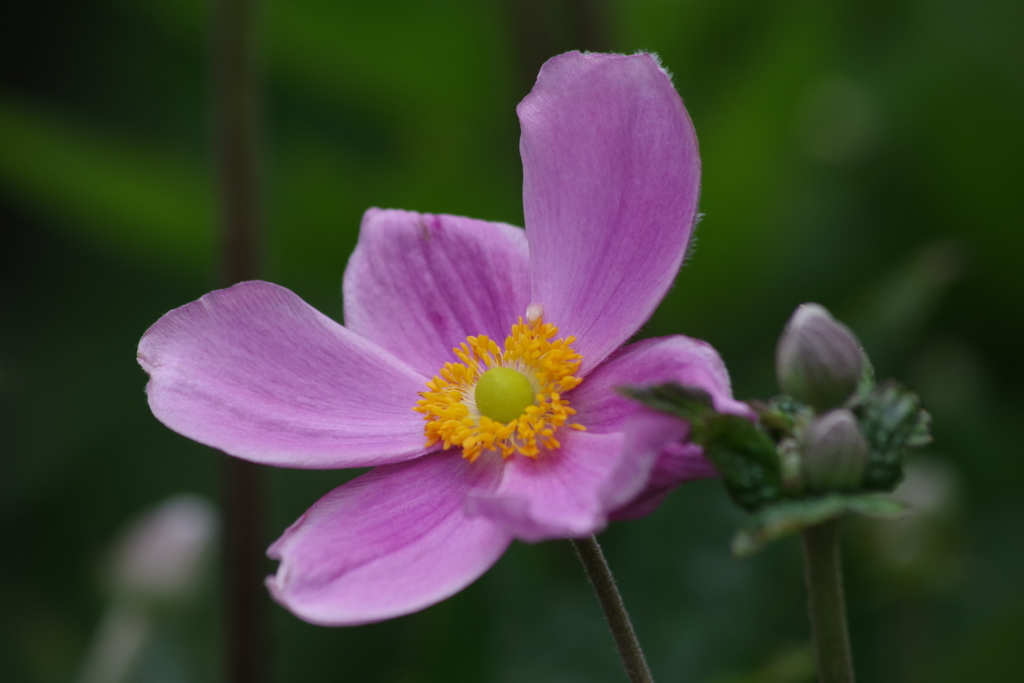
(835, 453)
(818, 360)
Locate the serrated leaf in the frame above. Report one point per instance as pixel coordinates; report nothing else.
(786, 517)
(741, 451)
(892, 420)
(921, 435)
(867, 379)
(692, 404)
(746, 458)
(779, 415)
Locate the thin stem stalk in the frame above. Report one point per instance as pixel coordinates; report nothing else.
(824, 575)
(601, 578)
(236, 139)
(236, 146)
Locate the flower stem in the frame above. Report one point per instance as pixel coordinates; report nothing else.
(608, 595)
(236, 139)
(824, 575)
(236, 146)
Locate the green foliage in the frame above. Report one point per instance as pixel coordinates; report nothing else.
(787, 517)
(692, 404)
(756, 459)
(746, 457)
(780, 415)
(892, 420)
(741, 451)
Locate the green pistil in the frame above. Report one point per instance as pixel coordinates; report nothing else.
(503, 394)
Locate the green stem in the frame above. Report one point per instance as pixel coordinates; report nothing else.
(608, 595)
(824, 575)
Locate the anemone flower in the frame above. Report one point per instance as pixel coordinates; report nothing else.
(473, 442)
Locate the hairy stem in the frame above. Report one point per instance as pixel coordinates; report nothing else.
(608, 595)
(824, 575)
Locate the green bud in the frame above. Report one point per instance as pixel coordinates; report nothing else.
(835, 453)
(818, 360)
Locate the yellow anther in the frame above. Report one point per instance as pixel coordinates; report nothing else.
(463, 408)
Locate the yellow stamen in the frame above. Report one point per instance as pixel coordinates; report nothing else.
(451, 412)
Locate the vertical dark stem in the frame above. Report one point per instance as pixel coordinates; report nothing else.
(533, 40)
(541, 29)
(600, 576)
(824, 574)
(236, 141)
(245, 598)
(591, 25)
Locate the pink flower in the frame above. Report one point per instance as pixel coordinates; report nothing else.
(464, 464)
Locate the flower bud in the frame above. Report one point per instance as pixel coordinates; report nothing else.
(818, 360)
(835, 453)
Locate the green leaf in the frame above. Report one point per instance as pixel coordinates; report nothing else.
(786, 517)
(741, 451)
(892, 420)
(921, 434)
(867, 380)
(746, 458)
(692, 404)
(780, 415)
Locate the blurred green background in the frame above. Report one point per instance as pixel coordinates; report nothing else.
(866, 155)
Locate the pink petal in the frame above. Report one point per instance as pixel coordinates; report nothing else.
(601, 408)
(563, 493)
(256, 372)
(643, 446)
(611, 177)
(418, 284)
(388, 543)
(649, 433)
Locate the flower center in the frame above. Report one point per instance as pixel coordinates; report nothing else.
(503, 394)
(503, 399)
